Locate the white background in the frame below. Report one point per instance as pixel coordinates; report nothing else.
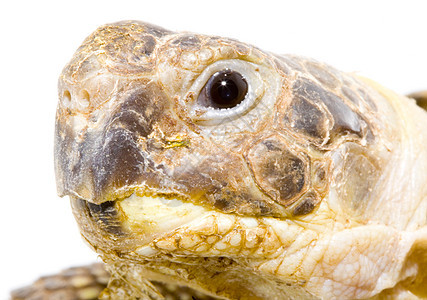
(384, 40)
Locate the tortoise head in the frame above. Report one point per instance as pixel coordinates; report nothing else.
(188, 152)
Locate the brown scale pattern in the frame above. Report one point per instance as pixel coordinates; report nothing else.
(87, 282)
(78, 283)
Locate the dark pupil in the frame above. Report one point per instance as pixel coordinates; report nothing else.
(226, 89)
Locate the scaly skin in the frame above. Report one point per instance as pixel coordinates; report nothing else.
(87, 283)
(79, 282)
(313, 187)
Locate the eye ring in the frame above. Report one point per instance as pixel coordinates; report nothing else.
(224, 89)
(201, 109)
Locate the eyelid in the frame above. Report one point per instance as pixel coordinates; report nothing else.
(211, 116)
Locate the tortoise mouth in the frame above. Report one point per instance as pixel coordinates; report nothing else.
(154, 215)
(104, 215)
(138, 216)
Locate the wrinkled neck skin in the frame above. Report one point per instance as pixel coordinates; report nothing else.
(325, 196)
(401, 203)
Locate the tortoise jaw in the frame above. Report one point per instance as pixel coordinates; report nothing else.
(151, 216)
(102, 219)
(132, 222)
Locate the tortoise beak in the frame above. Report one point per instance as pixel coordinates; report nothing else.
(99, 153)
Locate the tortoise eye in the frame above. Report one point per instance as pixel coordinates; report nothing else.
(227, 90)
(224, 89)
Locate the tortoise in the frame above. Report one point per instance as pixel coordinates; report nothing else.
(201, 167)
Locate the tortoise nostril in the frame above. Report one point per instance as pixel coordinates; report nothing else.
(66, 97)
(84, 100)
